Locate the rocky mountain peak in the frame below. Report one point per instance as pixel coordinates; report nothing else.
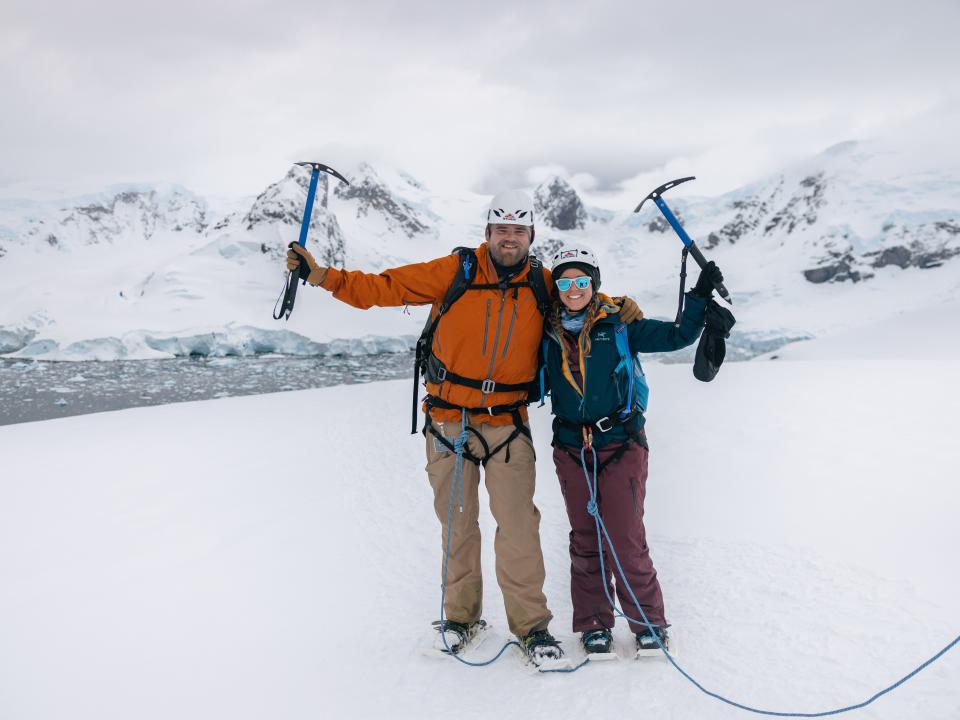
(284, 201)
(373, 194)
(557, 205)
(127, 213)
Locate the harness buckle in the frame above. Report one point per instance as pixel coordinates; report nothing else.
(441, 373)
(604, 424)
(487, 386)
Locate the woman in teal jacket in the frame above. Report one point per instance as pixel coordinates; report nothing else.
(598, 403)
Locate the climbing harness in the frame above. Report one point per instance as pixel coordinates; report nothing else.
(519, 428)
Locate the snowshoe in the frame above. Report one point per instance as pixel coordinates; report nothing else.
(541, 647)
(454, 637)
(597, 641)
(598, 645)
(649, 641)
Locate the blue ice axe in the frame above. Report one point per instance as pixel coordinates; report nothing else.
(691, 246)
(290, 288)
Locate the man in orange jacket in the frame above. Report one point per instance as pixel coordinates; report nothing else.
(483, 356)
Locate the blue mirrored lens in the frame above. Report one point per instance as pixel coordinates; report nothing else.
(582, 282)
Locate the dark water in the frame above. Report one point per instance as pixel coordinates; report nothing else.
(41, 390)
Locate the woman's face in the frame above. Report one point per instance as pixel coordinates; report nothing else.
(575, 299)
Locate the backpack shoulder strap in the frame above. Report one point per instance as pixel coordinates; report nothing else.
(538, 284)
(466, 274)
(464, 277)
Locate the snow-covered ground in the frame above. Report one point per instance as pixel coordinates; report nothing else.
(277, 556)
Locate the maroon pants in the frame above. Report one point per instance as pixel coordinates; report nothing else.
(621, 488)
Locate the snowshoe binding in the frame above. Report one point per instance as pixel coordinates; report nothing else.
(598, 645)
(597, 641)
(541, 648)
(650, 640)
(454, 637)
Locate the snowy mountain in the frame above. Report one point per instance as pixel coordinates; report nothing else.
(135, 270)
(274, 218)
(849, 212)
(557, 205)
(119, 215)
(374, 196)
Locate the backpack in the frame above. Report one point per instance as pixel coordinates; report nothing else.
(638, 392)
(463, 281)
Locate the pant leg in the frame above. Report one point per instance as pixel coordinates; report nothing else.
(590, 606)
(519, 558)
(623, 487)
(464, 590)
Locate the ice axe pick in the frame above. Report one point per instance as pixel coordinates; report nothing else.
(657, 197)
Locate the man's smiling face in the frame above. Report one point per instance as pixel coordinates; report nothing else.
(509, 243)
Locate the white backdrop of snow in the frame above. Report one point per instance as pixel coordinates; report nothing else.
(277, 556)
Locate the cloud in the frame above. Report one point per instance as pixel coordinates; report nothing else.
(222, 96)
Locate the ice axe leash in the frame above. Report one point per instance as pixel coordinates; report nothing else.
(289, 291)
(689, 245)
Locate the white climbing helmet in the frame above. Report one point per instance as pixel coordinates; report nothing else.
(569, 254)
(511, 207)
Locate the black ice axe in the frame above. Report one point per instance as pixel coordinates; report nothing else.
(689, 244)
(290, 289)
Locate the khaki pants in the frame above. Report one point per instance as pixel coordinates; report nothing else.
(519, 560)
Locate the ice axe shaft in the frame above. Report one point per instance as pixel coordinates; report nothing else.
(657, 197)
(290, 289)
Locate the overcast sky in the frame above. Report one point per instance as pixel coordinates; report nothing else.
(222, 96)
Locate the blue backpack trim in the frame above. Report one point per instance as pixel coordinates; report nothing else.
(636, 380)
(544, 350)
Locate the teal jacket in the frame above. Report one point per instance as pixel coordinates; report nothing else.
(605, 391)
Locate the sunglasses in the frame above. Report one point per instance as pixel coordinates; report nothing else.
(582, 283)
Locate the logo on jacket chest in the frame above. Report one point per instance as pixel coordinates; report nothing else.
(602, 336)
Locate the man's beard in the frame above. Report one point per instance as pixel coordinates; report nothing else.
(516, 256)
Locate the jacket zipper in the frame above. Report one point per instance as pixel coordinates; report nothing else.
(513, 319)
(496, 341)
(486, 328)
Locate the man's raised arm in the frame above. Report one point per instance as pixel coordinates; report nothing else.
(415, 284)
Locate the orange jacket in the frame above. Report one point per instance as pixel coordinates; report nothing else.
(486, 334)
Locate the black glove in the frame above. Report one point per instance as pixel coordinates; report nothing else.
(710, 276)
(713, 346)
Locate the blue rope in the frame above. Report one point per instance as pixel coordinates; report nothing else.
(594, 510)
(457, 487)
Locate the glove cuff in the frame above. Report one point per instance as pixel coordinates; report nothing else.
(316, 277)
